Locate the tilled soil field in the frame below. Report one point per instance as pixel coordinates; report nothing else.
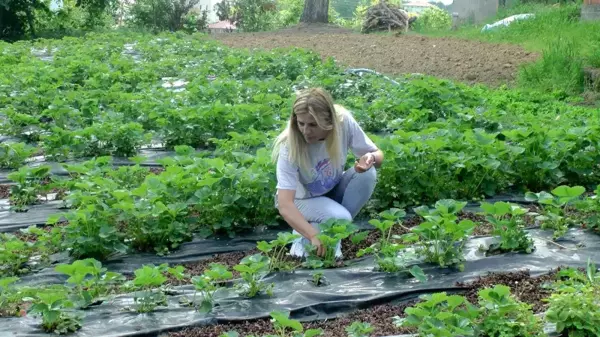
(450, 58)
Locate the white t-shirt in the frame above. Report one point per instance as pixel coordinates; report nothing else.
(322, 178)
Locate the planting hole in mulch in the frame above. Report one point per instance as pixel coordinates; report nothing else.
(4, 191)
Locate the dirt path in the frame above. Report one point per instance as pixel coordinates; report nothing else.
(467, 61)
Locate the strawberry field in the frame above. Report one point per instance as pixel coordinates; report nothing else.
(137, 198)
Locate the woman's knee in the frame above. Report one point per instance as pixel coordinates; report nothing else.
(368, 177)
(339, 213)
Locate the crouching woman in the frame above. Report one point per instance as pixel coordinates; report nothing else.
(312, 183)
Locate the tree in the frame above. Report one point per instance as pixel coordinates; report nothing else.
(315, 11)
(223, 10)
(17, 19)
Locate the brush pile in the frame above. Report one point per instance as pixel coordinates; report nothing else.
(385, 16)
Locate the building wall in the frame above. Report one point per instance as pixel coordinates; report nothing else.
(477, 10)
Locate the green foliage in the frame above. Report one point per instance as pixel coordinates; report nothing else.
(276, 251)
(89, 280)
(14, 253)
(560, 69)
(209, 283)
(588, 210)
(387, 251)
(148, 282)
(508, 222)
(555, 211)
(574, 306)
(503, 316)
(440, 238)
(13, 155)
(52, 305)
(117, 139)
(10, 299)
(159, 15)
(359, 329)
(27, 187)
(253, 15)
(282, 324)
(441, 315)
(434, 19)
(332, 232)
(253, 269)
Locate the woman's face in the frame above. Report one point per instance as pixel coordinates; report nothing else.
(310, 129)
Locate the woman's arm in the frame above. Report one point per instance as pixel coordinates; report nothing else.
(291, 214)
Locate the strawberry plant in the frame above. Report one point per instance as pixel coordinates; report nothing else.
(152, 225)
(89, 281)
(53, 305)
(574, 306)
(318, 279)
(90, 233)
(386, 252)
(14, 254)
(14, 155)
(588, 210)
(331, 234)
(440, 239)
(209, 283)
(27, 187)
(359, 329)
(555, 207)
(502, 315)
(440, 315)
(253, 269)
(508, 222)
(277, 251)
(10, 299)
(148, 283)
(282, 324)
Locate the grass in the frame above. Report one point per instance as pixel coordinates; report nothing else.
(567, 45)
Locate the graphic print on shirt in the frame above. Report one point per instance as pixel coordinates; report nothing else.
(324, 178)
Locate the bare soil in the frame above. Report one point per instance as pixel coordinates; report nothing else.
(4, 191)
(524, 287)
(456, 59)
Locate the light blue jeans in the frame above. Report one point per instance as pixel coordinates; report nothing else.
(343, 202)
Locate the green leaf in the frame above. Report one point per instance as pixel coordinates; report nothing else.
(568, 192)
(359, 237)
(313, 332)
(208, 181)
(205, 307)
(54, 219)
(418, 273)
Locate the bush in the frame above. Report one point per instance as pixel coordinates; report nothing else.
(160, 15)
(433, 19)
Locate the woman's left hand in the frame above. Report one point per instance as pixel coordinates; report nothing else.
(364, 163)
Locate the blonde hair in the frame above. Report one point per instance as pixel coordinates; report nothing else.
(329, 116)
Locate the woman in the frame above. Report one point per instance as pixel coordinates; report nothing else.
(311, 153)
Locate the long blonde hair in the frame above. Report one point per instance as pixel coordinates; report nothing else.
(329, 116)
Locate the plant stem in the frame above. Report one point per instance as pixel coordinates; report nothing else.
(552, 242)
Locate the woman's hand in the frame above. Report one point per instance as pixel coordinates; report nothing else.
(364, 163)
(318, 245)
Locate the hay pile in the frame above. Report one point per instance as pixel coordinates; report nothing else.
(385, 16)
